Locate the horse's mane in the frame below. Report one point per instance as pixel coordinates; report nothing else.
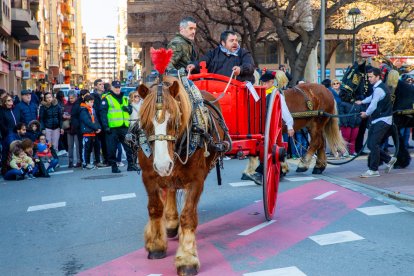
(178, 108)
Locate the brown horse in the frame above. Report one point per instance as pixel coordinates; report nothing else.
(320, 127)
(165, 123)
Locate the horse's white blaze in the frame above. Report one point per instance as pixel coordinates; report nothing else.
(162, 161)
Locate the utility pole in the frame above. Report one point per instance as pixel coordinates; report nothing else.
(322, 51)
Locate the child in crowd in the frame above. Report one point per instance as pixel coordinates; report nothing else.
(28, 147)
(21, 164)
(33, 130)
(44, 153)
(89, 127)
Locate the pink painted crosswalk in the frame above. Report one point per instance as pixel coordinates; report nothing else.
(221, 249)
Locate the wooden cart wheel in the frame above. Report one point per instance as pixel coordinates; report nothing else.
(274, 152)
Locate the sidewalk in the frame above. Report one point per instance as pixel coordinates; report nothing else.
(398, 184)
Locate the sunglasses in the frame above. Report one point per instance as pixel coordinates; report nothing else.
(335, 83)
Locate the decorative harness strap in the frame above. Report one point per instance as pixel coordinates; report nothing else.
(200, 114)
(309, 103)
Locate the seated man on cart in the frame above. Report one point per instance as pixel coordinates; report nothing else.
(228, 59)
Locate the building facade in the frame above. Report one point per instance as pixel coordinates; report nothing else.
(103, 59)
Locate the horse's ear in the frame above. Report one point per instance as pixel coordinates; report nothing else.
(174, 89)
(143, 91)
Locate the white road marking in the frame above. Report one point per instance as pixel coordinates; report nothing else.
(410, 209)
(117, 197)
(103, 168)
(380, 210)
(242, 184)
(337, 237)
(46, 206)
(260, 200)
(256, 228)
(302, 178)
(322, 196)
(285, 271)
(154, 275)
(61, 172)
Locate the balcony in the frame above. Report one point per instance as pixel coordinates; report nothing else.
(67, 40)
(67, 56)
(68, 73)
(64, 8)
(24, 26)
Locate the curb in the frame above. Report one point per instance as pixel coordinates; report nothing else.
(368, 190)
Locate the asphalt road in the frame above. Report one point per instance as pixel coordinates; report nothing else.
(92, 222)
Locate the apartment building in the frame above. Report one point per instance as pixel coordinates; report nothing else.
(102, 59)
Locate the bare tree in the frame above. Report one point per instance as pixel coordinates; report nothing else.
(296, 23)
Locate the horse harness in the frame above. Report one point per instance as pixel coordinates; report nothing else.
(200, 134)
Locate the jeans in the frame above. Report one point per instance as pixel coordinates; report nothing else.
(119, 153)
(52, 136)
(300, 145)
(13, 173)
(73, 141)
(376, 135)
(350, 134)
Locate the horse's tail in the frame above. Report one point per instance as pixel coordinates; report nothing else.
(334, 136)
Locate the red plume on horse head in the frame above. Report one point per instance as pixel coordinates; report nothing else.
(160, 58)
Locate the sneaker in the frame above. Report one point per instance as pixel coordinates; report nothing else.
(31, 176)
(61, 152)
(101, 165)
(89, 167)
(120, 164)
(390, 165)
(132, 168)
(70, 165)
(115, 169)
(369, 173)
(78, 165)
(225, 158)
(256, 178)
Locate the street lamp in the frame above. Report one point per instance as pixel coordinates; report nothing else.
(354, 13)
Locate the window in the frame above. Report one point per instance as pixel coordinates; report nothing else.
(267, 53)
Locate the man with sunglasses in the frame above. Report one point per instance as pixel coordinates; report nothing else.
(115, 118)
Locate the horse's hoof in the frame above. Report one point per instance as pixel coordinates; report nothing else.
(318, 170)
(154, 255)
(172, 232)
(299, 169)
(187, 270)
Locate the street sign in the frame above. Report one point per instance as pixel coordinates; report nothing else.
(369, 49)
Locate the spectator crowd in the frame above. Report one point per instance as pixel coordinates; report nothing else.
(38, 128)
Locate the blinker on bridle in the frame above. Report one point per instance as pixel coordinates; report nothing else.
(159, 115)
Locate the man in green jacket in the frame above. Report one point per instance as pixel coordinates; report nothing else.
(183, 44)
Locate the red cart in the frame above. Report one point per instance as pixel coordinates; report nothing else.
(252, 133)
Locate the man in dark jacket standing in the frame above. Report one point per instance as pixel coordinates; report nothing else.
(115, 113)
(228, 58)
(97, 94)
(183, 44)
(26, 108)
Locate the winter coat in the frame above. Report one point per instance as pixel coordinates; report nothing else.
(16, 162)
(88, 121)
(50, 115)
(75, 115)
(336, 96)
(8, 120)
(97, 104)
(68, 109)
(348, 108)
(184, 52)
(221, 63)
(27, 112)
(33, 135)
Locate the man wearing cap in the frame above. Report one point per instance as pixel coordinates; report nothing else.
(115, 112)
(26, 108)
(268, 81)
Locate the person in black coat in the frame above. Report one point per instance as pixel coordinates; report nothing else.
(9, 118)
(50, 118)
(75, 120)
(228, 57)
